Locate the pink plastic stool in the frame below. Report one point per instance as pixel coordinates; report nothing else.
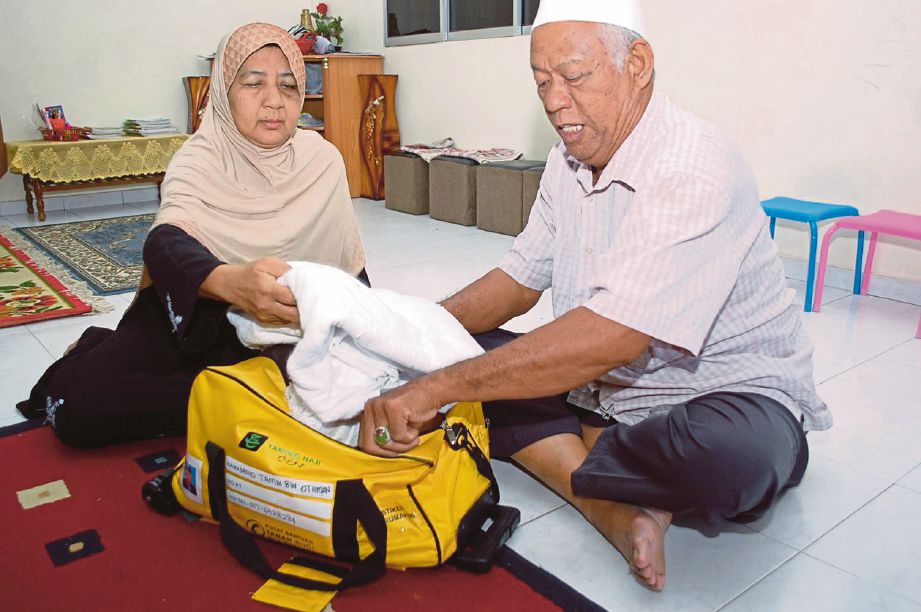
(887, 222)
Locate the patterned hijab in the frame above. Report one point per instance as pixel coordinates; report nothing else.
(243, 202)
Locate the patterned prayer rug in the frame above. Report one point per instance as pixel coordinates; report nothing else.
(106, 253)
(29, 292)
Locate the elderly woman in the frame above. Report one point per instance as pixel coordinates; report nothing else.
(246, 193)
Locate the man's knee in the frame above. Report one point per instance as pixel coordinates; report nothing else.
(734, 467)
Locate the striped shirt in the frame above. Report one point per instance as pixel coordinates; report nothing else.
(672, 242)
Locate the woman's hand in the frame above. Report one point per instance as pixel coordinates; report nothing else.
(254, 288)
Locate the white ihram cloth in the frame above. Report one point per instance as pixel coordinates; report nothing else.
(354, 342)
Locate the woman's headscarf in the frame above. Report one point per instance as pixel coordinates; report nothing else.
(243, 202)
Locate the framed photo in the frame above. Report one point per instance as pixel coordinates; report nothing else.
(53, 116)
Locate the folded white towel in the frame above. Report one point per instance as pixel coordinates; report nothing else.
(354, 342)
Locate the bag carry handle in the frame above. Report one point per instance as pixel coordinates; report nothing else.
(459, 437)
(242, 545)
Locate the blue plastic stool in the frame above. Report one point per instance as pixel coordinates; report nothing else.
(812, 213)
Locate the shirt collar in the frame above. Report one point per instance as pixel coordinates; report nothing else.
(627, 162)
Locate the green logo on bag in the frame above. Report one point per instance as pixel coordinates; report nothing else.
(252, 441)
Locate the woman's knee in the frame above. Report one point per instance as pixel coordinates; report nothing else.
(72, 420)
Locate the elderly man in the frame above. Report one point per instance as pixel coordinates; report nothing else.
(684, 371)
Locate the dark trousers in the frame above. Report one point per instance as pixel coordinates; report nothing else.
(721, 456)
(127, 384)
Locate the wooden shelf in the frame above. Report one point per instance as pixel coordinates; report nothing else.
(341, 105)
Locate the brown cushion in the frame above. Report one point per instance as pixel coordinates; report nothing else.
(452, 190)
(530, 186)
(499, 196)
(406, 178)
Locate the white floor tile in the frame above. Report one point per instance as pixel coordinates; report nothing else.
(57, 334)
(142, 208)
(912, 480)
(91, 213)
(880, 543)
(408, 280)
(15, 207)
(877, 411)
(828, 494)
(53, 216)
(7, 334)
(804, 583)
(520, 490)
(702, 573)
(22, 360)
(143, 194)
(856, 328)
(364, 207)
(93, 200)
(829, 294)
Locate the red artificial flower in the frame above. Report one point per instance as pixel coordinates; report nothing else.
(322, 8)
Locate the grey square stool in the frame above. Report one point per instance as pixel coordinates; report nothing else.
(406, 177)
(499, 188)
(530, 187)
(452, 190)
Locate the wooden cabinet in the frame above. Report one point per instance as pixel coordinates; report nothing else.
(339, 106)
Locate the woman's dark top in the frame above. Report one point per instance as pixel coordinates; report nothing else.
(133, 382)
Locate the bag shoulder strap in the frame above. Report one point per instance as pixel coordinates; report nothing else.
(242, 545)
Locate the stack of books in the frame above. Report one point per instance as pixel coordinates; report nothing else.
(103, 133)
(149, 127)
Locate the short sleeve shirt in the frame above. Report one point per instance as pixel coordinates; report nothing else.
(672, 242)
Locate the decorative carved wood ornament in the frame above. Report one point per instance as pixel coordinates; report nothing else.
(379, 131)
(3, 161)
(196, 89)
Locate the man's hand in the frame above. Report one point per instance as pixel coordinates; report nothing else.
(254, 288)
(405, 411)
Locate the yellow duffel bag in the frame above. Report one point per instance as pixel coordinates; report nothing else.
(256, 470)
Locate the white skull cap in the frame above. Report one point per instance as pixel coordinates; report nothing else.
(624, 13)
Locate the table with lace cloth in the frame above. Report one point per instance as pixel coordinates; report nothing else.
(82, 164)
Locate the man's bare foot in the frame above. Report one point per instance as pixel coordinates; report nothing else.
(646, 537)
(639, 535)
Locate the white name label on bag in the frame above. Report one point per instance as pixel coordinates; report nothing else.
(323, 490)
(280, 514)
(303, 506)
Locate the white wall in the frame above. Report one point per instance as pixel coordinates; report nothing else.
(823, 96)
(106, 60)
(479, 92)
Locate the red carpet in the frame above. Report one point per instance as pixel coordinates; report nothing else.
(149, 561)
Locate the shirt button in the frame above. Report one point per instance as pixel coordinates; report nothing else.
(589, 251)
